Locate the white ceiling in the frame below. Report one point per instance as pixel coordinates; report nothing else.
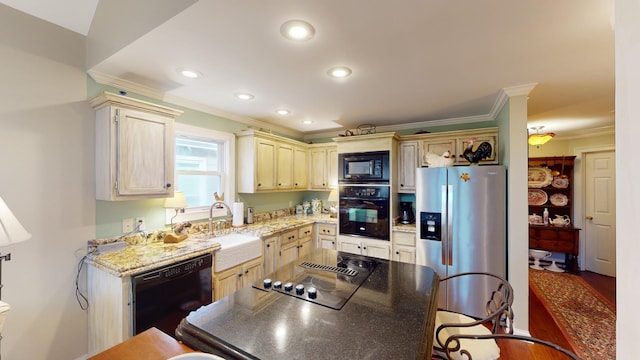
(413, 61)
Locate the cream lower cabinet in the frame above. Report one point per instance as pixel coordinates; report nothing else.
(109, 313)
(404, 246)
(326, 236)
(295, 243)
(135, 148)
(231, 280)
(270, 252)
(368, 247)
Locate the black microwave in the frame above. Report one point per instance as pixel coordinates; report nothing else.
(364, 167)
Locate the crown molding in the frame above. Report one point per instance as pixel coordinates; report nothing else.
(586, 133)
(519, 90)
(150, 92)
(412, 125)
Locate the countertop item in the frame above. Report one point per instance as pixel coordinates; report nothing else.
(152, 344)
(134, 259)
(390, 315)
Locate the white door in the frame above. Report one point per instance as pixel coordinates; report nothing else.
(600, 214)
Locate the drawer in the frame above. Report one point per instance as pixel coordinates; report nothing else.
(404, 238)
(326, 230)
(552, 245)
(305, 231)
(289, 236)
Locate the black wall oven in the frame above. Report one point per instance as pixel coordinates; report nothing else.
(364, 211)
(164, 296)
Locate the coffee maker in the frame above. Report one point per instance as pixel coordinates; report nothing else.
(406, 212)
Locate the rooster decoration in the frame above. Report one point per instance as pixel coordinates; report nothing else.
(435, 160)
(483, 151)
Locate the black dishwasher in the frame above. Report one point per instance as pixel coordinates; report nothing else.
(164, 296)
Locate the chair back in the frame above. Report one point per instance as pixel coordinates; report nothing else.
(523, 352)
(498, 319)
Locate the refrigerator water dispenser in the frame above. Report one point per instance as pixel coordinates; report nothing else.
(430, 226)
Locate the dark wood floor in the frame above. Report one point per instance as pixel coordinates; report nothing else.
(541, 324)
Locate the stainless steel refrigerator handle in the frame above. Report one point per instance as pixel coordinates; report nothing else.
(443, 231)
(450, 225)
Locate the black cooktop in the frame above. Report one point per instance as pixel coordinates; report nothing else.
(327, 282)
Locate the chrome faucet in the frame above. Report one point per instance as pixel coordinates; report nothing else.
(214, 205)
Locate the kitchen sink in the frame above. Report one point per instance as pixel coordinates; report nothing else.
(235, 249)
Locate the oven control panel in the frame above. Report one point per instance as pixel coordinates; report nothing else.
(363, 192)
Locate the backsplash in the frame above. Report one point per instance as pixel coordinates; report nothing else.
(199, 227)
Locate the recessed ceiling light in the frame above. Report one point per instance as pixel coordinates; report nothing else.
(297, 30)
(283, 112)
(339, 72)
(189, 73)
(307, 122)
(244, 96)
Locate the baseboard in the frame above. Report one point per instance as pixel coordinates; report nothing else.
(517, 331)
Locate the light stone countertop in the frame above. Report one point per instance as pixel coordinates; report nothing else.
(135, 259)
(405, 228)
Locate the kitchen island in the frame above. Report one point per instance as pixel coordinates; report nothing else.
(387, 311)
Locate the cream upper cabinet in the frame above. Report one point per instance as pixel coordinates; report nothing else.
(332, 172)
(463, 143)
(135, 148)
(300, 168)
(268, 163)
(323, 167)
(456, 143)
(266, 155)
(408, 162)
(438, 147)
(284, 167)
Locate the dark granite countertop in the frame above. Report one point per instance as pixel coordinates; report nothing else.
(390, 316)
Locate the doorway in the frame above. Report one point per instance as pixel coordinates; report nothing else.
(599, 212)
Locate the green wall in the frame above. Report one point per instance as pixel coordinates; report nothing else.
(109, 214)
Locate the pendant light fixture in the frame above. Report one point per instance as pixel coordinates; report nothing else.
(537, 139)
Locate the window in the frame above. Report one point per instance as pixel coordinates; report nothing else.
(203, 166)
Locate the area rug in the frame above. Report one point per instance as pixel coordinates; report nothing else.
(586, 318)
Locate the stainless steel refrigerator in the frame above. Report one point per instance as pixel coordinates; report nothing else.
(461, 227)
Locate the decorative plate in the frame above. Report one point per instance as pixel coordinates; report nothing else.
(539, 177)
(559, 199)
(560, 183)
(537, 197)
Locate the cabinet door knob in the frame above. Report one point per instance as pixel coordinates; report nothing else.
(589, 217)
(168, 185)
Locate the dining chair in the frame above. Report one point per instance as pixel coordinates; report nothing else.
(453, 351)
(454, 337)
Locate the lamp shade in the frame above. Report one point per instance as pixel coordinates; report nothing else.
(176, 202)
(540, 139)
(333, 196)
(11, 231)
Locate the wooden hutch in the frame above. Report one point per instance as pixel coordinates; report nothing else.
(551, 183)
